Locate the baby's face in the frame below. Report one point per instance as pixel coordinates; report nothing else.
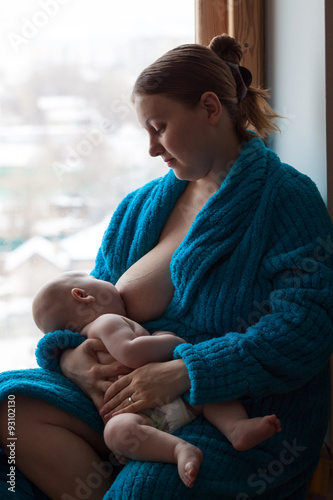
(55, 305)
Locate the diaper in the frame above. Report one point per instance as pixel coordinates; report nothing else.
(171, 416)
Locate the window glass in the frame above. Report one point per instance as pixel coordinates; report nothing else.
(70, 145)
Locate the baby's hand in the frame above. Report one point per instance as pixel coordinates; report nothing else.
(87, 332)
(84, 333)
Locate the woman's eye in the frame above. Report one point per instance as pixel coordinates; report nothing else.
(159, 130)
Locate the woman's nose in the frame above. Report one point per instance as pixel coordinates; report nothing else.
(155, 148)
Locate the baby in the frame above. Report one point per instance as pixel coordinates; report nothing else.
(79, 302)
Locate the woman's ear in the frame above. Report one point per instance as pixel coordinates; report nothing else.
(81, 296)
(212, 105)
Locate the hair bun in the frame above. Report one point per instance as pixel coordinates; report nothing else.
(227, 48)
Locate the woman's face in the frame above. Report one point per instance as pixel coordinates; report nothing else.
(179, 134)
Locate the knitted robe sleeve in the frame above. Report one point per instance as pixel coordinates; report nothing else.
(294, 339)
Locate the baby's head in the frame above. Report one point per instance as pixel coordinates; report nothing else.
(73, 300)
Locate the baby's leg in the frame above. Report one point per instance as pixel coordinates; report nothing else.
(59, 453)
(133, 435)
(244, 433)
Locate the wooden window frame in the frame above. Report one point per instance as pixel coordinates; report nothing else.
(242, 19)
(329, 102)
(329, 140)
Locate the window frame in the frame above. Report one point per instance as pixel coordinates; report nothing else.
(242, 19)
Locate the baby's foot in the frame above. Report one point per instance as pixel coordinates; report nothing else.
(188, 459)
(250, 432)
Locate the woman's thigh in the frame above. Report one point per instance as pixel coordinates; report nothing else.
(56, 451)
(31, 413)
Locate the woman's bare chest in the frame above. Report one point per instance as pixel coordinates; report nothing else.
(146, 287)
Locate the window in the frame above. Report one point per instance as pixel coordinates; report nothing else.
(70, 146)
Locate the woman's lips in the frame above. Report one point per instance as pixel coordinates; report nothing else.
(169, 161)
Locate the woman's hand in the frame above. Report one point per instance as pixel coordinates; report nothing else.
(91, 368)
(149, 386)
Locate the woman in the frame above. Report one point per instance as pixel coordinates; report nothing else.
(231, 251)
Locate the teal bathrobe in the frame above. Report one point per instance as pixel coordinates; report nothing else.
(253, 298)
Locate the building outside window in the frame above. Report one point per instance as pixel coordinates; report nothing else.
(70, 145)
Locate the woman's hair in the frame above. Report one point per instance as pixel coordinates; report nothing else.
(188, 71)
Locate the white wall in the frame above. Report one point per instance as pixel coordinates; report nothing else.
(295, 73)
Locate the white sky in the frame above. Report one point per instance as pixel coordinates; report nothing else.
(27, 25)
(106, 16)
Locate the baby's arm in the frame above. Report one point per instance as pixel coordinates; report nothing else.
(130, 343)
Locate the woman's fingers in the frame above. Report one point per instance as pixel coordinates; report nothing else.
(121, 397)
(126, 406)
(101, 373)
(130, 394)
(130, 408)
(117, 395)
(152, 385)
(92, 369)
(117, 386)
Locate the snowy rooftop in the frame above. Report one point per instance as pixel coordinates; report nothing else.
(84, 244)
(36, 246)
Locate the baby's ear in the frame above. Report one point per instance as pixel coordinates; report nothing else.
(81, 296)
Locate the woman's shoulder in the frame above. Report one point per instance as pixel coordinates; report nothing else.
(290, 182)
(298, 201)
(296, 186)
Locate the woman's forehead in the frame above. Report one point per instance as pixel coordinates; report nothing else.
(151, 107)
